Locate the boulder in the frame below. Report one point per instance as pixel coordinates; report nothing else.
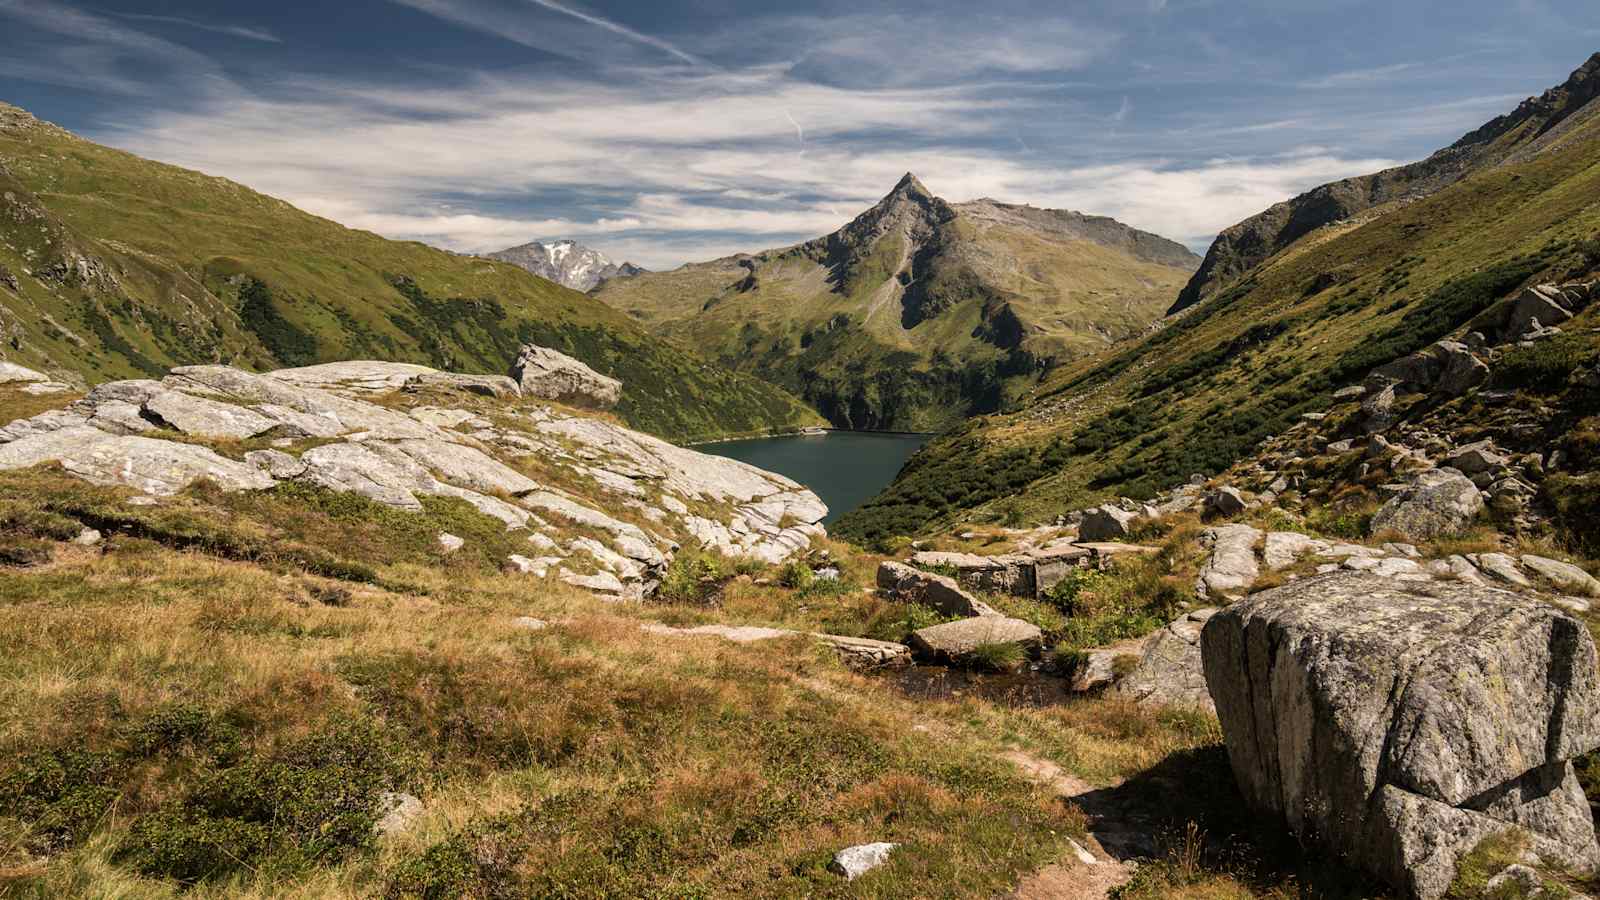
(1540, 305)
(1232, 566)
(854, 862)
(1224, 501)
(1105, 523)
(449, 543)
(865, 653)
(955, 641)
(1170, 671)
(203, 417)
(11, 373)
(1438, 502)
(1352, 392)
(941, 592)
(485, 385)
(545, 373)
(1503, 567)
(1011, 573)
(1377, 411)
(1462, 371)
(152, 466)
(1399, 725)
(1565, 576)
(1475, 458)
(1285, 548)
(396, 812)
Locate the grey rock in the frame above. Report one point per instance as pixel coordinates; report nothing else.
(1400, 726)
(529, 623)
(11, 373)
(396, 812)
(854, 862)
(941, 592)
(1462, 372)
(450, 543)
(202, 417)
(153, 466)
(1475, 458)
(1339, 448)
(276, 463)
(1565, 576)
(486, 385)
(1540, 305)
(545, 373)
(1105, 523)
(88, 537)
(955, 641)
(1011, 573)
(599, 582)
(1284, 548)
(1378, 412)
(865, 653)
(1438, 502)
(357, 468)
(119, 417)
(1503, 567)
(1225, 501)
(1515, 880)
(538, 568)
(1232, 568)
(1353, 392)
(1170, 671)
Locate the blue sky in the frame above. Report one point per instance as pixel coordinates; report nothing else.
(665, 131)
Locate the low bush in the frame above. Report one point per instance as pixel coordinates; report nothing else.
(1545, 366)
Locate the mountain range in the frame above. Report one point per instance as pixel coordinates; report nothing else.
(919, 312)
(1305, 298)
(112, 266)
(567, 263)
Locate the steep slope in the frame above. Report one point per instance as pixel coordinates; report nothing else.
(919, 312)
(113, 266)
(567, 263)
(1535, 126)
(1209, 386)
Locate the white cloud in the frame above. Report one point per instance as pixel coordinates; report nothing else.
(91, 52)
(241, 31)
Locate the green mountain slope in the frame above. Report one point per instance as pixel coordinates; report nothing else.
(1535, 124)
(1209, 386)
(113, 266)
(919, 312)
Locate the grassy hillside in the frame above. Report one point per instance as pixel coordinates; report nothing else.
(112, 266)
(918, 313)
(1213, 382)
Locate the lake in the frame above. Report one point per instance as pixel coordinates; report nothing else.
(844, 468)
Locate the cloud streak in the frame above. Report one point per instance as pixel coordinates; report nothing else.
(620, 30)
(239, 31)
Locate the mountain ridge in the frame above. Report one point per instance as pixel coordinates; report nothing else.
(917, 312)
(567, 263)
(1246, 244)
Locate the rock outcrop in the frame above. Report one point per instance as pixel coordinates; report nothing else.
(549, 375)
(1438, 502)
(956, 641)
(941, 592)
(1170, 671)
(1401, 725)
(327, 430)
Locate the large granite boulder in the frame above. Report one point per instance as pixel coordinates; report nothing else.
(1106, 523)
(1438, 502)
(957, 641)
(941, 592)
(12, 373)
(1400, 725)
(1170, 671)
(542, 372)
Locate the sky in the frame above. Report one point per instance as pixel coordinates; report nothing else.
(665, 131)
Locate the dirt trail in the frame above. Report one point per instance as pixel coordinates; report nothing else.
(1078, 880)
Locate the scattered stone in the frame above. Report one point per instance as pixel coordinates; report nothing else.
(1106, 523)
(276, 463)
(529, 623)
(1012, 573)
(397, 812)
(545, 373)
(854, 862)
(535, 567)
(1515, 880)
(1504, 568)
(955, 641)
(1438, 502)
(1084, 856)
(1565, 576)
(1462, 372)
(1170, 673)
(599, 582)
(1093, 670)
(88, 537)
(1285, 548)
(865, 653)
(1232, 567)
(449, 543)
(1475, 458)
(1400, 727)
(1378, 410)
(1225, 501)
(1409, 551)
(912, 585)
(1353, 392)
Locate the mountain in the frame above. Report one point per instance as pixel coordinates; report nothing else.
(919, 312)
(1532, 127)
(1206, 387)
(112, 266)
(567, 263)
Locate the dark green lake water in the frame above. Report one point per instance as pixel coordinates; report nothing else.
(845, 469)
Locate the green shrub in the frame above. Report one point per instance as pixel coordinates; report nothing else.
(1546, 365)
(998, 657)
(1574, 500)
(797, 576)
(691, 578)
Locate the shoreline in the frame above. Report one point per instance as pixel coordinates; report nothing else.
(824, 432)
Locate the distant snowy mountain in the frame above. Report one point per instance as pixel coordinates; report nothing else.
(567, 263)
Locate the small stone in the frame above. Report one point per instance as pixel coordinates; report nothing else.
(1565, 576)
(1084, 856)
(449, 543)
(854, 862)
(1504, 568)
(88, 537)
(399, 811)
(529, 623)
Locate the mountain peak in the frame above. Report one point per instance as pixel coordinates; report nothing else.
(910, 185)
(566, 262)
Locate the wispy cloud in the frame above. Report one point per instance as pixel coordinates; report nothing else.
(91, 51)
(1358, 77)
(618, 29)
(536, 24)
(239, 31)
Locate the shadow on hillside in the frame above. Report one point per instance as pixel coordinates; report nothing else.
(1185, 815)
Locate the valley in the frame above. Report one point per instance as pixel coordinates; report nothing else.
(971, 550)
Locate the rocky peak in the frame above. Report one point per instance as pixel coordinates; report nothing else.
(567, 263)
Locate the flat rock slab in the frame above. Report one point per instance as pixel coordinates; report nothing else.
(1401, 724)
(957, 640)
(157, 467)
(858, 653)
(941, 592)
